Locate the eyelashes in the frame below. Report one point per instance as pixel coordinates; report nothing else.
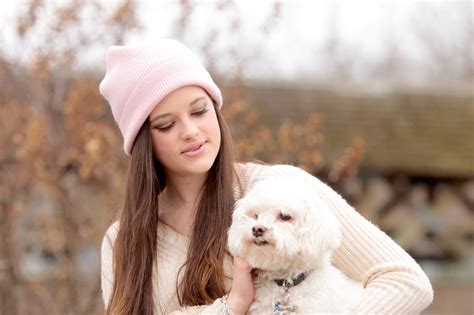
(168, 127)
(164, 129)
(201, 112)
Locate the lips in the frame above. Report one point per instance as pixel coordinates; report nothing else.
(193, 147)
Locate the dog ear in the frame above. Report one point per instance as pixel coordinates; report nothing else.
(233, 237)
(321, 229)
(330, 229)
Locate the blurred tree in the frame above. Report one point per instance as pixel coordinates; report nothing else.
(61, 162)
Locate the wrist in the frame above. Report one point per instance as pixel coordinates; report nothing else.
(236, 306)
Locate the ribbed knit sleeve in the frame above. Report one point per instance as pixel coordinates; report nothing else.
(106, 263)
(393, 282)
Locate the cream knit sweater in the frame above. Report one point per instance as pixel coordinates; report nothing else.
(393, 282)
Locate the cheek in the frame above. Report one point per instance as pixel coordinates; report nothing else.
(163, 145)
(211, 126)
(286, 238)
(237, 236)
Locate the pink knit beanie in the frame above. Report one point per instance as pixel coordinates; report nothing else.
(139, 77)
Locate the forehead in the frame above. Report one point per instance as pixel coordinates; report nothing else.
(180, 99)
(281, 194)
(270, 206)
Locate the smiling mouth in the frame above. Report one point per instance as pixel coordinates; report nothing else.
(195, 148)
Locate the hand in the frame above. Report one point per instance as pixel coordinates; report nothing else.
(242, 292)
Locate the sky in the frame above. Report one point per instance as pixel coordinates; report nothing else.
(296, 47)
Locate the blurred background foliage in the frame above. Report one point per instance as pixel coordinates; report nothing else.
(62, 168)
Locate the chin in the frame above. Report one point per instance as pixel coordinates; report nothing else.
(184, 166)
(200, 165)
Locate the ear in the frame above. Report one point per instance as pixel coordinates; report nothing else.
(233, 242)
(321, 229)
(330, 229)
(235, 232)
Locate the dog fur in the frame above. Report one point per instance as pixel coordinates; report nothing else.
(283, 229)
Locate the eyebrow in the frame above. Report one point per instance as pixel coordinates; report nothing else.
(168, 114)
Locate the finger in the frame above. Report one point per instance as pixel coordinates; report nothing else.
(241, 264)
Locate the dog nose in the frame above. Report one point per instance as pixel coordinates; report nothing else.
(258, 230)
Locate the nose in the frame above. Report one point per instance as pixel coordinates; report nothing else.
(258, 230)
(189, 130)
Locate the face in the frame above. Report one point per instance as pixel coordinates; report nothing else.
(185, 132)
(281, 223)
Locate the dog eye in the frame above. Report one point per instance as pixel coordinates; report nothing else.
(253, 215)
(285, 217)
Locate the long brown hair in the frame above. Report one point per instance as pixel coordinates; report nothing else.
(135, 245)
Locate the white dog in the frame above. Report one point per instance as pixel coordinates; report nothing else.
(286, 231)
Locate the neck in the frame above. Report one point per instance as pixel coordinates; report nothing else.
(180, 198)
(293, 281)
(184, 190)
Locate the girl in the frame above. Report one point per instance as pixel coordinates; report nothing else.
(167, 251)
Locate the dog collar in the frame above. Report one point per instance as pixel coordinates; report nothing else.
(288, 283)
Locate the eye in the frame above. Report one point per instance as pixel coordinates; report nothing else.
(254, 215)
(284, 217)
(201, 112)
(164, 129)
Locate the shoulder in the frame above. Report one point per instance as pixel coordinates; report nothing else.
(263, 171)
(254, 172)
(260, 168)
